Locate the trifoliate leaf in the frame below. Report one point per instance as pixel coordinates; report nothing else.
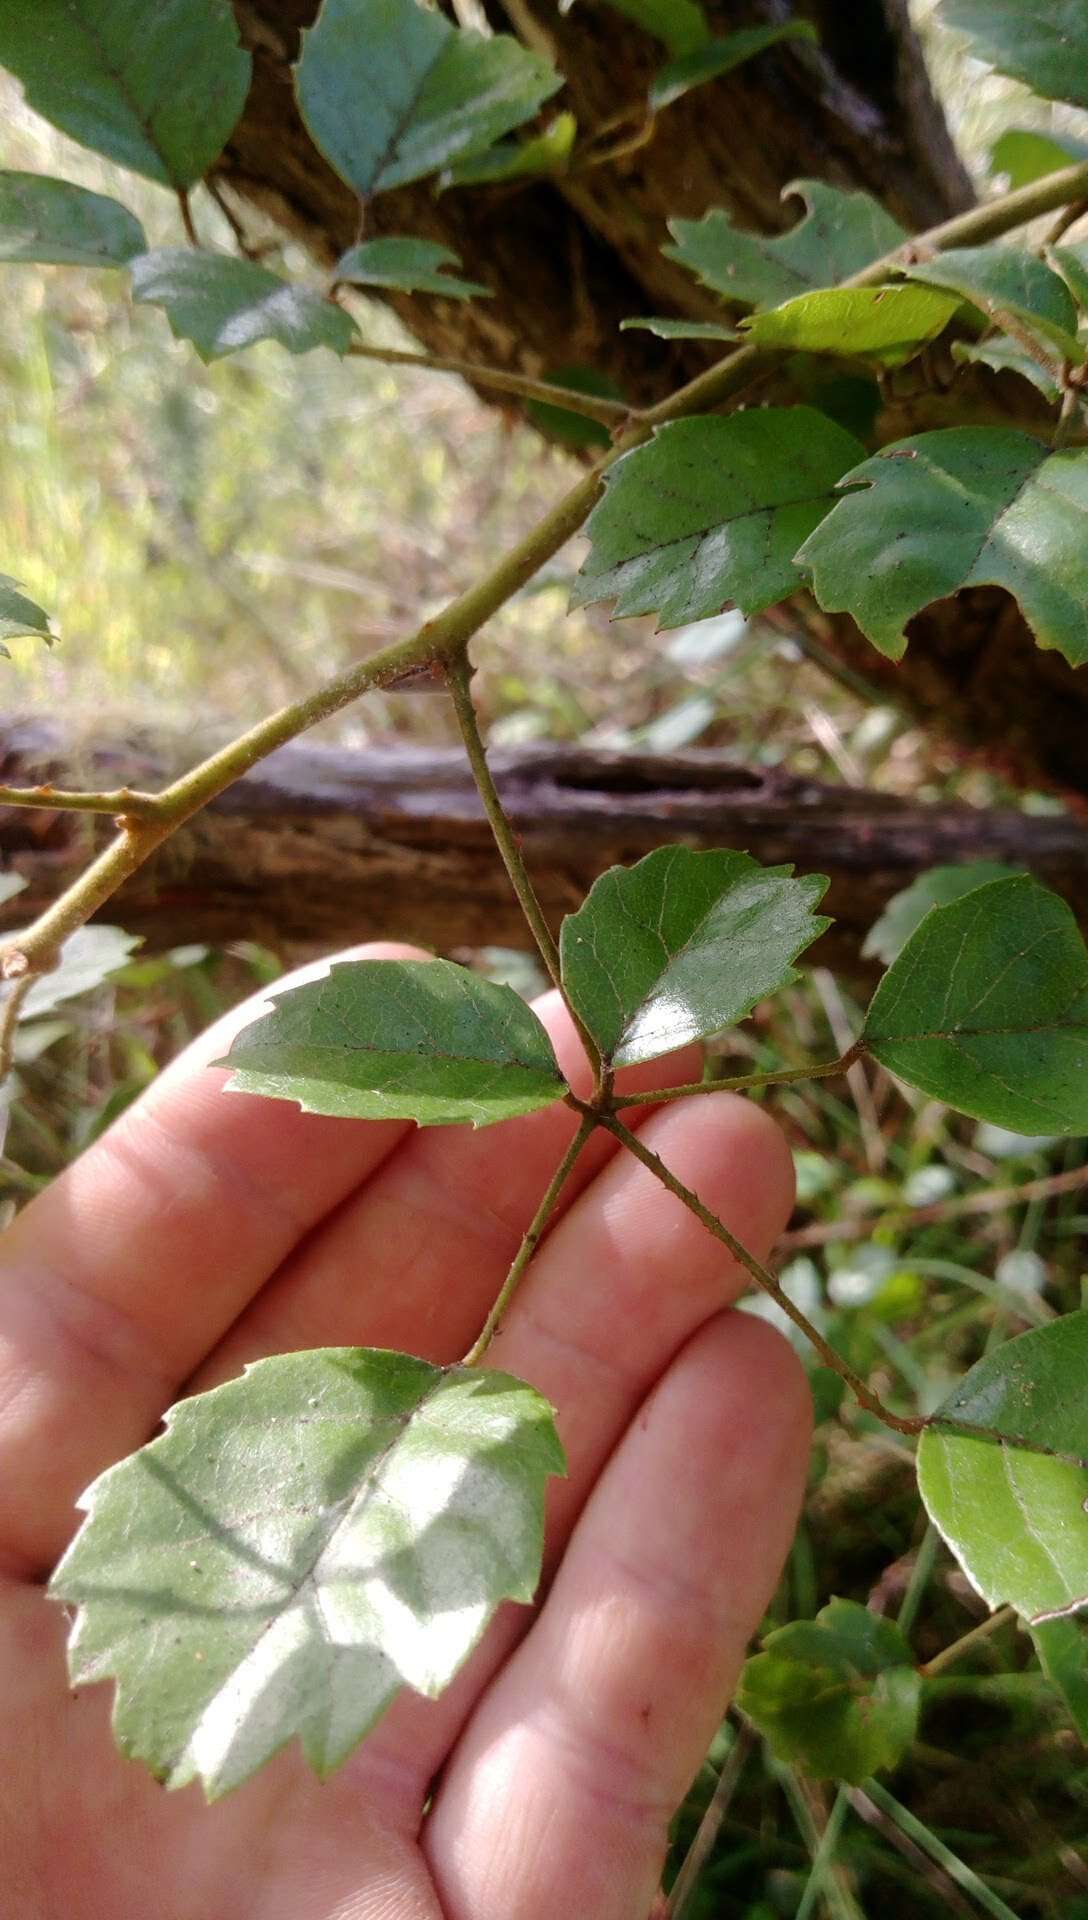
(88, 957)
(412, 266)
(961, 507)
(670, 329)
(223, 305)
(717, 57)
(1062, 1647)
(986, 1008)
(839, 234)
(1008, 280)
(1042, 42)
(888, 324)
(711, 511)
(390, 91)
(54, 223)
(298, 1546)
(681, 24)
(21, 615)
(838, 1694)
(547, 152)
(157, 85)
(681, 946)
(399, 1040)
(1026, 155)
(1031, 1391)
(906, 910)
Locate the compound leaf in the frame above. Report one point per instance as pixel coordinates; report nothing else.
(296, 1547)
(961, 507)
(410, 265)
(1008, 280)
(157, 85)
(712, 511)
(416, 1040)
(713, 58)
(839, 234)
(54, 223)
(986, 1008)
(906, 910)
(681, 946)
(21, 615)
(223, 305)
(888, 324)
(1042, 42)
(839, 1693)
(390, 91)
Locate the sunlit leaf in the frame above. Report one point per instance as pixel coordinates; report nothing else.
(1042, 42)
(53, 223)
(961, 507)
(839, 234)
(839, 1694)
(157, 85)
(298, 1546)
(399, 1039)
(1062, 1647)
(546, 152)
(1008, 280)
(906, 910)
(888, 324)
(411, 266)
(88, 957)
(1025, 154)
(390, 91)
(671, 329)
(20, 615)
(682, 945)
(713, 510)
(681, 24)
(986, 1008)
(222, 304)
(713, 58)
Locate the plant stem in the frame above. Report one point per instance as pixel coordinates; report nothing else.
(594, 406)
(186, 212)
(710, 1825)
(950, 1654)
(824, 1856)
(530, 1242)
(916, 1830)
(746, 1082)
(759, 1273)
(142, 806)
(919, 1580)
(9, 1018)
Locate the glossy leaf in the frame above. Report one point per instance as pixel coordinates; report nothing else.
(391, 92)
(681, 24)
(986, 1008)
(409, 265)
(20, 615)
(717, 57)
(711, 511)
(1042, 42)
(839, 234)
(1062, 1647)
(53, 223)
(1032, 1391)
(1026, 155)
(906, 910)
(1008, 280)
(157, 85)
(961, 507)
(839, 1694)
(888, 324)
(546, 152)
(88, 957)
(681, 946)
(1015, 1521)
(298, 1546)
(672, 329)
(399, 1040)
(223, 305)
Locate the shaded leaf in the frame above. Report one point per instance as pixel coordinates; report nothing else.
(713, 58)
(412, 266)
(838, 235)
(1032, 1391)
(416, 1040)
(1015, 1520)
(1008, 280)
(299, 1545)
(671, 329)
(1042, 42)
(1072, 262)
(681, 946)
(906, 910)
(562, 423)
(961, 507)
(681, 24)
(20, 615)
(1027, 155)
(711, 511)
(157, 85)
(53, 223)
(1062, 1647)
(547, 152)
(390, 91)
(838, 1694)
(1003, 355)
(223, 305)
(888, 324)
(986, 1008)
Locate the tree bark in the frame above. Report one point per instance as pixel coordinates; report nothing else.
(320, 846)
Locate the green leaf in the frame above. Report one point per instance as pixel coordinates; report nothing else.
(681, 946)
(986, 1008)
(1003, 355)
(1031, 1391)
(711, 511)
(838, 1694)
(416, 1040)
(888, 324)
(669, 329)
(547, 152)
(53, 223)
(20, 615)
(1042, 42)
(223, 305)
(298, 1546)
(713, 58)
(1008, 280)
(390, 91)
(157, 85)
(88, 957)
(681, 24)
(1073, 263)
(961, 507)
(1026, 155)
(1062, 1647)
(839, 234)
(906, 910)
(561, 423)
(412, 266)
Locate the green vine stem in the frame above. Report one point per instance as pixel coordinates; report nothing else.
(950, 1654)
(10, 1007)
(594, 406)
(745, 1082)
(141, 806)
(532, 1238)
(872, 1794)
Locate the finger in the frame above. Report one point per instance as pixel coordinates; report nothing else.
(117, 1279)
(559, 1796)
(415, 1258)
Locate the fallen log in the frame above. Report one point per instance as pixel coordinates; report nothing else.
(319, 846)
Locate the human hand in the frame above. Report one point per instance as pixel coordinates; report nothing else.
(202, 1232)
